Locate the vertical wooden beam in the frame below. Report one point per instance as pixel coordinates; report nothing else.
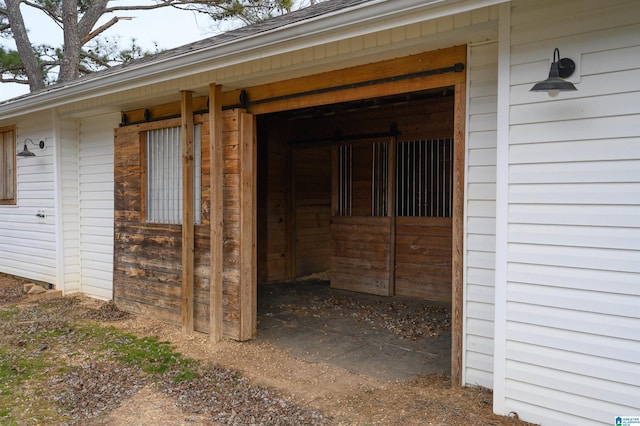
(391, 212)
(291, 224)
(187, 212)
(216, 218)
(335, 181)
(143, 181)
(248, 213)
(457, 233)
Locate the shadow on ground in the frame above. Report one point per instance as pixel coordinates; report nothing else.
(388, 338)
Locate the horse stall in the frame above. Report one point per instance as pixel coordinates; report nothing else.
(360, 193)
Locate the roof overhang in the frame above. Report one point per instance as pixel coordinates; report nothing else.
(360, 19)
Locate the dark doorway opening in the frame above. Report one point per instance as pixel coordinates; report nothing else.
(355, 289)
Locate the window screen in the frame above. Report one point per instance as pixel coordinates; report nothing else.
(164, 175)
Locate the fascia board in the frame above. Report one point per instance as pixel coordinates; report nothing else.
(361, 19)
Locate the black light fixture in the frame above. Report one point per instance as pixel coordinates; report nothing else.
(561, 68)
(25, 151)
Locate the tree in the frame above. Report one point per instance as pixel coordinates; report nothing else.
(84, 49)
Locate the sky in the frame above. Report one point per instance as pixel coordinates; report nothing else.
(165, 27)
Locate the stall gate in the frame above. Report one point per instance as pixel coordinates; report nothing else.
(391, 217)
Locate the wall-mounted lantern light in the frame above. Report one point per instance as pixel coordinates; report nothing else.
(561, 68)
(25, 151)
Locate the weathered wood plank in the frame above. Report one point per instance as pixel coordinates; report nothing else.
(373, 71)
(458, 232)
(311, 204)
(163, 111)
(217, 213)
(248, 234)
(355, 282)
(366, 239)
(187, 211)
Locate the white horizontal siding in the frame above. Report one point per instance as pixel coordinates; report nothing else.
(96, 204)
(480, 211)
(573, 242)
(27, 243)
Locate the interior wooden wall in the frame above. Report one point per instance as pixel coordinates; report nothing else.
(311, 176)
(274, 210)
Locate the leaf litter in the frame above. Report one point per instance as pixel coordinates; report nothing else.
(63, 363)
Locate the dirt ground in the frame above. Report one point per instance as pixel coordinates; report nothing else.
(342, 397)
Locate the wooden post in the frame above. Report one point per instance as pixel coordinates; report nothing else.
(391, 212)
(457, 233)
(187, 212)
(248, 213)
(216, 221)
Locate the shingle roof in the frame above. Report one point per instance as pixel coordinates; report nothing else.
(313, 11)
(238, 34)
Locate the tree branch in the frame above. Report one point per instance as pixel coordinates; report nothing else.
(13, 80)
(56, 17)
(103, 28)
(91, 16)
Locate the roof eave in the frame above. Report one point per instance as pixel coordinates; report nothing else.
(355, 21)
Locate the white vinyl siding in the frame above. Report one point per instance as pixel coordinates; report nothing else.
(27, 242)
(573, 241)
(480, 214)
(96, 160)
(164, 175)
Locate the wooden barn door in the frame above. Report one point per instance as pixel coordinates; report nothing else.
(362, 242)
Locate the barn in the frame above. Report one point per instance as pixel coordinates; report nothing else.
(394, 146)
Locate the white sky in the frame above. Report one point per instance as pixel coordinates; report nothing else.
(165, 27)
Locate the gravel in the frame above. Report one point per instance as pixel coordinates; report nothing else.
(407, 323)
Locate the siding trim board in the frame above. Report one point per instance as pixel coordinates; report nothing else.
(480, 195)
(502, 162)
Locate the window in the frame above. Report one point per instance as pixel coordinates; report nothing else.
(7, 165)
(164, 175)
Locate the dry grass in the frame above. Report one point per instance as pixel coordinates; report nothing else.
(95, 364)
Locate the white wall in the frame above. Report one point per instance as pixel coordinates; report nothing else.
(96, 148)
(27, 243)
(67, 201)
(480, 213)
(573, 200)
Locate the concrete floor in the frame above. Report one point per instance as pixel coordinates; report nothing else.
(298, 317)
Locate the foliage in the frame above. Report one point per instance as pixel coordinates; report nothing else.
(30, 336)
(151, 355)
(85, 48)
